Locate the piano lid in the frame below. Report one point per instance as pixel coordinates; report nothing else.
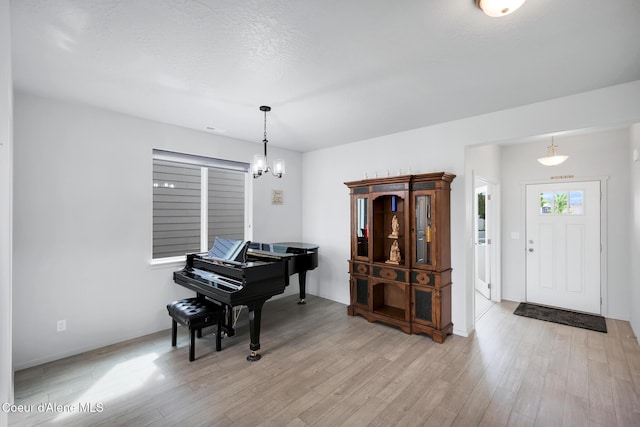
(283, 247)
(298, 245)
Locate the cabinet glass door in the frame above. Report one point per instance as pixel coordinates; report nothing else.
(423, 246)
(362, 226)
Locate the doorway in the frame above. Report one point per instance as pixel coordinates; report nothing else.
(563, 245)
(484, 226)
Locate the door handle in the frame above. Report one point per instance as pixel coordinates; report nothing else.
(530, 249)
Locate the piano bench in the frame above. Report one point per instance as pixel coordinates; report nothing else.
(195, 314)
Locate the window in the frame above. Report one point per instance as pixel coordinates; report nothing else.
(195, 199)
(562, 202)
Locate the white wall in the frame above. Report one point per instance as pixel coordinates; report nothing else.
(592, 155)
(635, 228)
(82, 227)
(436, 148)
(484, 162)
(6, 208)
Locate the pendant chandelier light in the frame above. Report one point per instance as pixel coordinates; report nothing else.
(259, 165)
(498, 8)
(552, 158)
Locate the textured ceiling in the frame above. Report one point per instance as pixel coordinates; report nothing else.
(333, 71)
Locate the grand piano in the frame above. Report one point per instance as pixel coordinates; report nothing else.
(236, 273)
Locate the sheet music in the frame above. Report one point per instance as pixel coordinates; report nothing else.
(229, 250)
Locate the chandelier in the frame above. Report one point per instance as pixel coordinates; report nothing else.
(259, 165)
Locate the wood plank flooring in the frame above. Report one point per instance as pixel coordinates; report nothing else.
(320, 367)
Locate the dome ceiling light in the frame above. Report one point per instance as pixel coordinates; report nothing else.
(552, 158)
(498, 8)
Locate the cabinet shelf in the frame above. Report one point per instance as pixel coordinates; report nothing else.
(383, 262)
(393, 312)
(390, 298)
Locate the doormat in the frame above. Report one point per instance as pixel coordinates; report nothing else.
(564, 317)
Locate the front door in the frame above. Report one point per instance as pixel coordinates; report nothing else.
(563, 245)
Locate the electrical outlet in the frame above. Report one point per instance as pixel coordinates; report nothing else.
(61, 325)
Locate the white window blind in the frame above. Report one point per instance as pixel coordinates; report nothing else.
(195, 199)
(226, 205)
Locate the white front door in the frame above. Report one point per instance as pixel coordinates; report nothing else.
(482, 240)
(563, 245)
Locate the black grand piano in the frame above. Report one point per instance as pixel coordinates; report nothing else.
(236, 273)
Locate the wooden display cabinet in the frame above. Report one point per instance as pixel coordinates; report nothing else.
(400, 264)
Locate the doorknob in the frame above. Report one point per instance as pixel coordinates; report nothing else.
(530, 249)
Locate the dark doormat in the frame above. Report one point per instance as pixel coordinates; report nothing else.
(564, 317)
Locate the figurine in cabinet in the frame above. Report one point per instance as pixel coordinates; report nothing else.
(394, 254)
(395, 227)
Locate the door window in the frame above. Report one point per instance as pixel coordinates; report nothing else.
(562, 202)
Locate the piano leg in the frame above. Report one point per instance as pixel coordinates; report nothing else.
(229, 321)
(302, 281)
(255, 314)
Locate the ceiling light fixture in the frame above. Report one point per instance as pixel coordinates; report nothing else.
(553, 158)
(498, 8)
(259, 165)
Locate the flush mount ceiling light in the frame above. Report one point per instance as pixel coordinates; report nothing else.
(259, 165)
(498, 8)
(553, 158)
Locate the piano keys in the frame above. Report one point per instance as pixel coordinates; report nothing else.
(255, 273)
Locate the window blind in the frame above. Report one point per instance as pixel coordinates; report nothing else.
(176, 208)
(178, 197)
(226, 205)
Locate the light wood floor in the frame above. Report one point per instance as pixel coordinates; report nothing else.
(321, 367)
(482, 304)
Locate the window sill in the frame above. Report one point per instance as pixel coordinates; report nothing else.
(173, 262)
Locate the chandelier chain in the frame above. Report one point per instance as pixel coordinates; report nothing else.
(265, 126)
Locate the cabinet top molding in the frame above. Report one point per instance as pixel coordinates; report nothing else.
(435, 176)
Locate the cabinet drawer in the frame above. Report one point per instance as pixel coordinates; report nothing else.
(394, 274)
(359, 268)
(430, 278)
